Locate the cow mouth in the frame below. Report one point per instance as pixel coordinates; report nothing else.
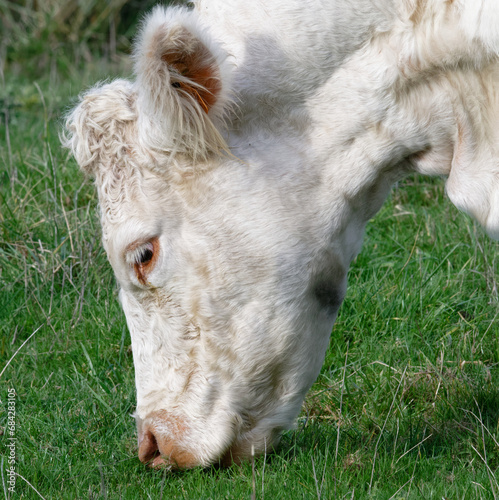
(150, 455)
(160, 449)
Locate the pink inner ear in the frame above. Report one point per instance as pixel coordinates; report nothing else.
(198, 65)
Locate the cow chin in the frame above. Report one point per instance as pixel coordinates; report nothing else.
(247, 447)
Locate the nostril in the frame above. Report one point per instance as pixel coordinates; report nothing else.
(148, 447)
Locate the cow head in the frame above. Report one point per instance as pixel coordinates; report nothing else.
(233, 198)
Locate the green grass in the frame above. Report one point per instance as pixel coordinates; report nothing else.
(58, 35)
(407, 403)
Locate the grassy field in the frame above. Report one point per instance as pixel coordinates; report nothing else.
(407, 403)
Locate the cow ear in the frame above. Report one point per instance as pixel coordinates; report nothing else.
(192, 69)
(179, 85)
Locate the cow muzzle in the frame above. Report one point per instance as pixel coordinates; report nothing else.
(161, 438)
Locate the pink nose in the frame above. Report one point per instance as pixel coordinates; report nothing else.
(157, 447)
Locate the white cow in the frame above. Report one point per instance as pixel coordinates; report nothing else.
(236, 175)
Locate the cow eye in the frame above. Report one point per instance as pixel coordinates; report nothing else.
(142, 256)
(146, 254)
